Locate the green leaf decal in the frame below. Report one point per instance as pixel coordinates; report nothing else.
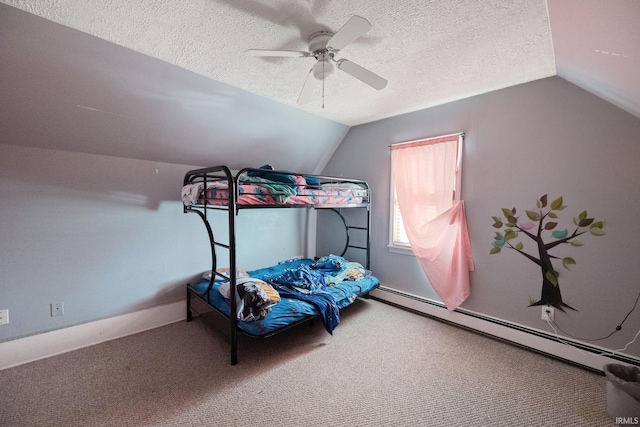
(508, 212)
(552, 276)
(576, 243)
(567, 261)
(495, 250)
(533, 216)
(599, 224)
(556, 204)
(582, 215)
(519, 246)
(597, 231)
(510, 234)
(552, 215)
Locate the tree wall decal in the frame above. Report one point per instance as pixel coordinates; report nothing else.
(545, 216)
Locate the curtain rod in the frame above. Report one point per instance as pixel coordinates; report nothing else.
(461, 134)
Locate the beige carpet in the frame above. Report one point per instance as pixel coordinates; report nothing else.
(382, 367)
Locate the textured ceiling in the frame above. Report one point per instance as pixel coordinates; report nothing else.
(431, 52)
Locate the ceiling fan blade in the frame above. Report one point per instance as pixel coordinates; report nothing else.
(307, 89)
(362, 74)
(287, 53)
(354, 28)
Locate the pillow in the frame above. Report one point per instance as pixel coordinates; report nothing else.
(312, 181)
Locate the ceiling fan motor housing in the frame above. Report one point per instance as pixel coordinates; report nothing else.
(318, 48)
(318, 42)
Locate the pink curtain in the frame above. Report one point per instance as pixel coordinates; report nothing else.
(434, 220)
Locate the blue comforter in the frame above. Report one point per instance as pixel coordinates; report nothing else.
(292, 307)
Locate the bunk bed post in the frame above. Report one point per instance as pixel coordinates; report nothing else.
(189, 314)
(233, 198)
(368, 266)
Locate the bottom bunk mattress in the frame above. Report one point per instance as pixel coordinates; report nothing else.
(295, 306)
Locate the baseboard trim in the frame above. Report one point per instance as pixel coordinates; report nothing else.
(36, 347)
(578, 353)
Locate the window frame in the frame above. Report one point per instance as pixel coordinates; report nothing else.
(401, 247)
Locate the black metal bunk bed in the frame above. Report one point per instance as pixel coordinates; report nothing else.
(219, 189)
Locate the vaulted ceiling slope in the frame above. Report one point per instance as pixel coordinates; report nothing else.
(66, 90)
(194, 74)
(597, 47)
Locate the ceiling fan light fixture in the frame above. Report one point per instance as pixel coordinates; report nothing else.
(322, 69)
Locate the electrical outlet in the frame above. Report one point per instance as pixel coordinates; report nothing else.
(547, 313)
(4, 316)
(57, 309)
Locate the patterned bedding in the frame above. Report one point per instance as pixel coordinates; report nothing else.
(255, 190)
(288, 310)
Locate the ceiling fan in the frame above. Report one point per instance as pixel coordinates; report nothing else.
(323, 46)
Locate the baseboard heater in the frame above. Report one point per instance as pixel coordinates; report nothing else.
(430, 308)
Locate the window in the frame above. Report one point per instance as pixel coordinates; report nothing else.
(399, 236)
(446, 191)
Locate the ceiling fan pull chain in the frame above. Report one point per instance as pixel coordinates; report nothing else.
(322, 84)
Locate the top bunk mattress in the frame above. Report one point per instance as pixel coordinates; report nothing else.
(257, 187)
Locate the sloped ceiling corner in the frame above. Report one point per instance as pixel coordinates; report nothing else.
(597, 47)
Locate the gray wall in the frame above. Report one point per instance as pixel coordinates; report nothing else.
(84, 218)
(545, 137)
(107, 236)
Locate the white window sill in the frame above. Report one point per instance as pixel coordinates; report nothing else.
(404, 250)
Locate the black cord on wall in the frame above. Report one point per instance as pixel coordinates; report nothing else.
(618, 328)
